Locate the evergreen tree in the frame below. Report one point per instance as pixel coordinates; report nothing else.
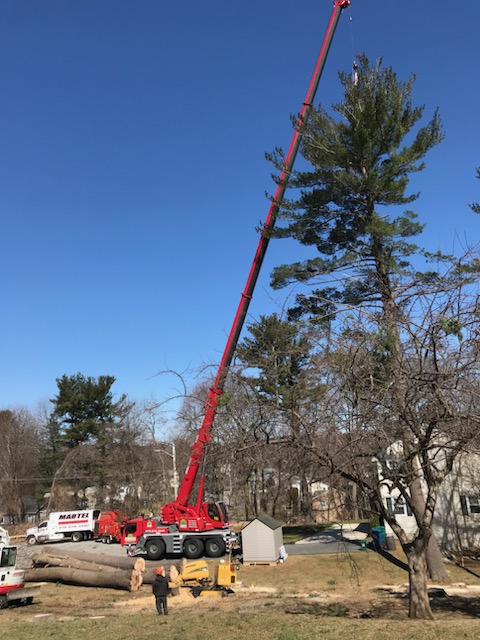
(84, 408)
(278, 352)
(360, 168)
(81, 437)
(367, 264)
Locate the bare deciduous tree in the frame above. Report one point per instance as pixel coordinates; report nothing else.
(19, 452)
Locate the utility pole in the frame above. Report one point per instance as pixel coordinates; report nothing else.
(173, 455)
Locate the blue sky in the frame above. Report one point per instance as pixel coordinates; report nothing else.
(132, 170)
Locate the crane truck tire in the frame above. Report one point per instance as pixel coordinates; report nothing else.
(31, 540)
(155, 549)
(192, 548)
(215, 548)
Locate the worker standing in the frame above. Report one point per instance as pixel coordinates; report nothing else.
(160, 591)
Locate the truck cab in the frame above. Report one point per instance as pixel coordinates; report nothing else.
(43, 533)
(11, 578)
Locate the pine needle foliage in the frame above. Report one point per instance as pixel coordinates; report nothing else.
(361, 159)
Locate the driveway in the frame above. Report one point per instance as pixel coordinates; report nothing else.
(345, 538)
(338, 539)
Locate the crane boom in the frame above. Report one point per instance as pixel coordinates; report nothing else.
(211, 404)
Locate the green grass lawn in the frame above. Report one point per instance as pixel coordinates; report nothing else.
(235, 625)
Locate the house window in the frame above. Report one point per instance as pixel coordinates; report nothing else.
(398, 507)
(470, 505)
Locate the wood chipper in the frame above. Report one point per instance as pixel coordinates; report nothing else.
(196, 576)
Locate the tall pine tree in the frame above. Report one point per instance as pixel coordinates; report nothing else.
(367, 262)
(361, 163)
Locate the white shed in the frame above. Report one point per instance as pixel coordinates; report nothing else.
(262, 540)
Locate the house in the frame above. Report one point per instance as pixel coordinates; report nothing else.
(328, 503)
(262, 540)
(456, 522)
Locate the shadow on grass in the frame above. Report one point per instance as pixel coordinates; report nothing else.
(391, 558)
(393, 609)
(456, 604)
(470, 569)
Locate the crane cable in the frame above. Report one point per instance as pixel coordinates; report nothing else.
(354, 55)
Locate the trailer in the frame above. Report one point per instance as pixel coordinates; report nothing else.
(109, 526)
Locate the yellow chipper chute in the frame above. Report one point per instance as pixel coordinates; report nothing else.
(196, 576)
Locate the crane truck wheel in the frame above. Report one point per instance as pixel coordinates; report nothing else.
(155, 549)
(193, 548)
(215, 548)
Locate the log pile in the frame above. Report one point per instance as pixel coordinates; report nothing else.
(68, 570)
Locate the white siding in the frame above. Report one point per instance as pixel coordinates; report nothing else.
(260, 543)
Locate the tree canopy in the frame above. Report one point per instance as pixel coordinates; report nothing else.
(278, 351)
(84, 408)
(361, 162)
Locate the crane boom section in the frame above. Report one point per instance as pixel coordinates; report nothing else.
(204, 433)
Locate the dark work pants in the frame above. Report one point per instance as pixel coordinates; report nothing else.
(162, 607)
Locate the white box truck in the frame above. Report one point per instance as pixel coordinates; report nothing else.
(64, 525)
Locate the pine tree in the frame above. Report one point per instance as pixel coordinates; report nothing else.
(367, 263)
(360, 168)
(278, 352)
(84, 408)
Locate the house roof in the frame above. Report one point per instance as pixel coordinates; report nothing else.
(267, 520)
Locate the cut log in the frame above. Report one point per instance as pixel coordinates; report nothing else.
(126, 580)
(119, 576)
(47, 560)
(139, 565)
(119, 562)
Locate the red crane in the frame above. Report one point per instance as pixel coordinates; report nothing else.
(208, 517)
(171, 511)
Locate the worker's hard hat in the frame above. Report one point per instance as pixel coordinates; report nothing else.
(159, 571)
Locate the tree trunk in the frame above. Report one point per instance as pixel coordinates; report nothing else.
(353, 506)
(67, 562)
(305, 498)
(435, 565)
(128, 581)
(419, 604)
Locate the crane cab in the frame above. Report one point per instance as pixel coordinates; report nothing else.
(216, 513)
